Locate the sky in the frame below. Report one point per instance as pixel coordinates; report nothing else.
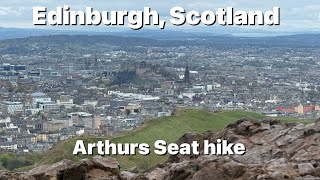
(296, 15)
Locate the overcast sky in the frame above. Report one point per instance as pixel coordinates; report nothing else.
(296, 15)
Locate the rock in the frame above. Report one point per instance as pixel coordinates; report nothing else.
(47, 172)
(312, 129)
(15, 176)
(317, 171)
(126, 175)
(281, 167)
(274, 151)
(244, 128)
(106, 164)
(305, 168)
(157, 173)
(293, 134)
(97, 168)
(133, 169)
(308, 177)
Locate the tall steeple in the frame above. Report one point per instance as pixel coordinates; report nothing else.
(96, 63)
(187, 74)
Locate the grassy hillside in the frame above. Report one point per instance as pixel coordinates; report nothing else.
(166, 128)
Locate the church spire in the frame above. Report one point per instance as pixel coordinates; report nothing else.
(187, 74)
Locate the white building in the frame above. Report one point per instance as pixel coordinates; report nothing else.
(65, 101)
(38, 97)
(5, 121)
(163, 114)
(80, 132)
(12, 126)
(11, 107)
(8, 146)
(91, 103)
(48, 106)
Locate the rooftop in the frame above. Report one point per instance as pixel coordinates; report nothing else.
(38, 94)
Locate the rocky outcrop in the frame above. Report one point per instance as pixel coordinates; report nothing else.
(49, 171)
(274, 151)
(96, 168)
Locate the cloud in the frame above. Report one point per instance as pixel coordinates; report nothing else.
(9, 11)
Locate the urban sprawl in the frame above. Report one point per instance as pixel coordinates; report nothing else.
(49, 95)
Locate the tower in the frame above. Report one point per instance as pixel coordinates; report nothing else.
(87, 64)
(187, 75)
(96, 63)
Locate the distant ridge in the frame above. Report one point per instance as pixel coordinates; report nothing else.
(178, 33)
(60, 42)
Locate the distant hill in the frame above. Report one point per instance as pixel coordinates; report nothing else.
(66, 43)
(179, 33)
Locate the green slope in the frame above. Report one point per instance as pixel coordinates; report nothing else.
(166, 128)
(171, 129)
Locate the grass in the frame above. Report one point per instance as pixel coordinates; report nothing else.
(165, 128)
(295, 120)
(171, 129)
